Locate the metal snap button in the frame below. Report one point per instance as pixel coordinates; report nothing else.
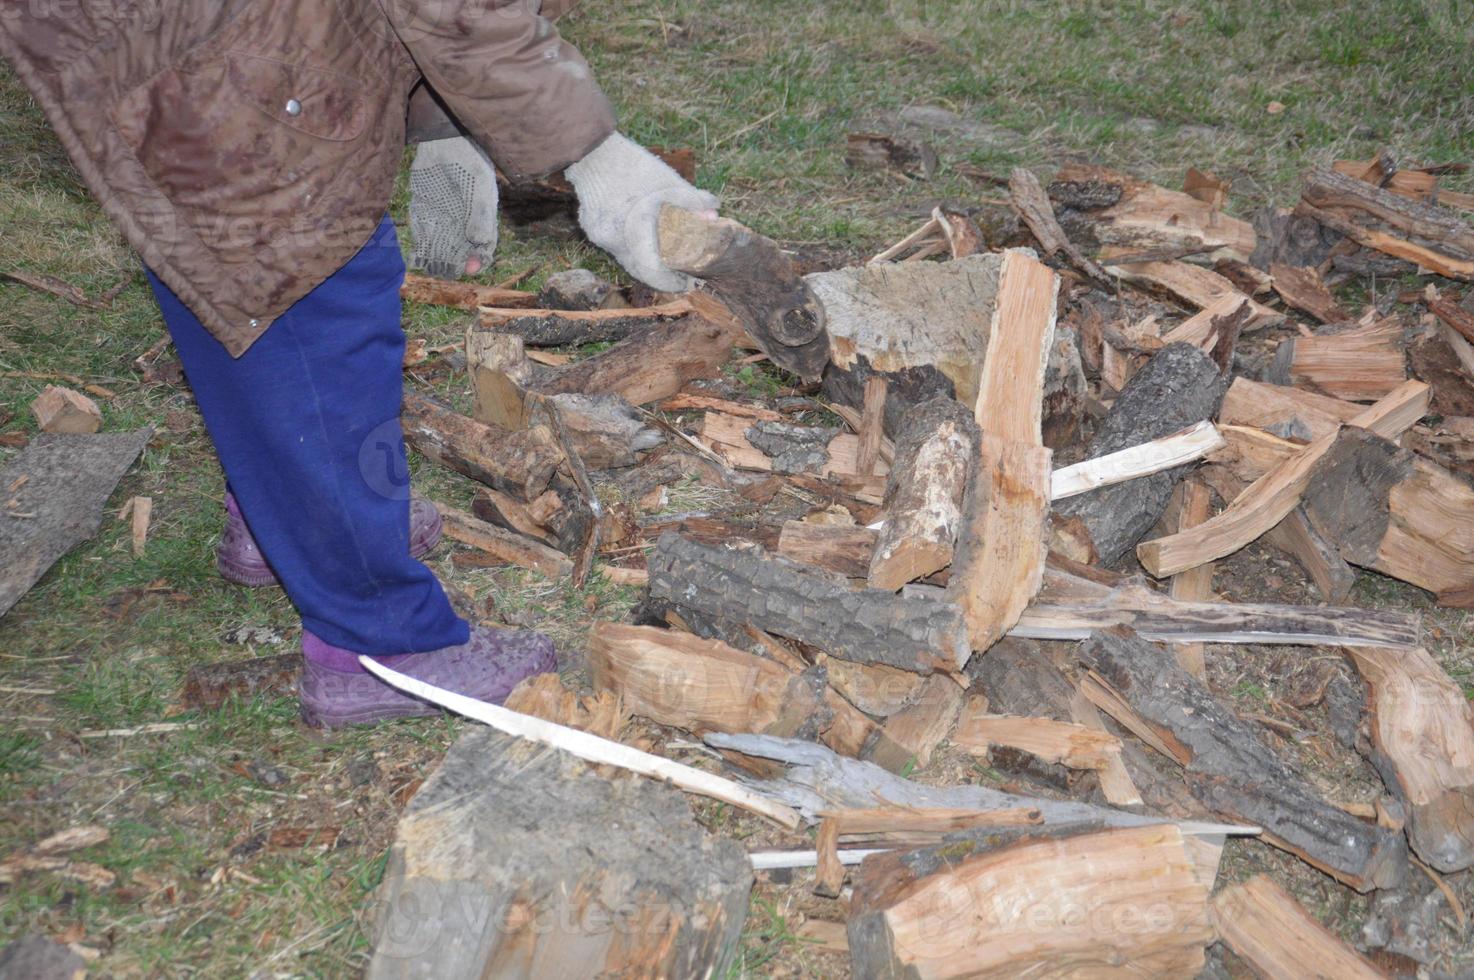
(254, 322)
(294, 108)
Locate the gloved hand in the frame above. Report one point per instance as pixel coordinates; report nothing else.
(621, 187)
(452, 208)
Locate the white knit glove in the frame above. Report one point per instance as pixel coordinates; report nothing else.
(452, 208)
(621, 187)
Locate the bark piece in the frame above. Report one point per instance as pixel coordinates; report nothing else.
(1230, 769)
(461, 295)
(923, 495)
(507, 837)
(955, 911)
(998, 562)
(914, 732)
(1273, 933)
(64, 411)
(208, 686)
(1178, 387)
(56, 490)
(1303, 289)
(810, 606)
(1422, 743)
(677, 679)
(873, 688)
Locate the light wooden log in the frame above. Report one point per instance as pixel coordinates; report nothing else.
(1357, 365)
(1274, 934)
(1178, 449)
(461, 295)
(1066, 743)
(910, 735)
(510, 547)
(1422, 743)
(64, 411)
(1195, 584)
(1264, 406)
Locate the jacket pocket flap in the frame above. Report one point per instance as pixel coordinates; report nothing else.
(320, 103)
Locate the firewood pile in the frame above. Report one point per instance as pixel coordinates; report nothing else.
(991, 527)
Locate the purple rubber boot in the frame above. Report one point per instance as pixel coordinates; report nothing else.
(336, 690)
(239, 560)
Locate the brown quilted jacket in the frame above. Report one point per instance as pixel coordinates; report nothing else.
(247, 148)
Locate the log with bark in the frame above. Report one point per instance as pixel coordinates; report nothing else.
(1143, 216)
(1032, 204)
(814, 607)
(1227, 764)
(55, 491)
(1275, 494)
(516, 462)
(1422, 744)
(514, 858)
(1445, 360)
(1433, 237)
(652, 363)
(1387, 509)
(574, 328)
(1178, 387)
(1029, 902)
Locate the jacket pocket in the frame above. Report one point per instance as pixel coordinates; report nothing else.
(240, 134)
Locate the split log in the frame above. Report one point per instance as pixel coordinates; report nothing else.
(506, 511)
(544, 696)
(1290, 413)
(1194, 285)
(1143, 216)
(913, 733)
(652, 363)
(516, 462)
(1163, 620)
(873, 688)
(481, 882)
(1228, 767)
(56, 489)
(817, 781)
(677, 679)
(1363, 364)
(1431, 236)
(923, 495)
(605, 431)
(1269, 498)
(1195, 584)
(1303, 289)
(574, 328)
(998, 561)
(1422, 744)
(1389, 510)
(871, 429)
(1060, 742)
(1032, 204)
(1017, 677)
(62, 410)
(208, 686)
(810, 606)
(1134, 462)
(1033, 904)
(846, 550)
(1178, 387)
(1274, 934)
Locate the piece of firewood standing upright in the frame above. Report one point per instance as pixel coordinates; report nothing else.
(923, 495)
(998, 563)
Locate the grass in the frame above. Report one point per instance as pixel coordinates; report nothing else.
(765, 93)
